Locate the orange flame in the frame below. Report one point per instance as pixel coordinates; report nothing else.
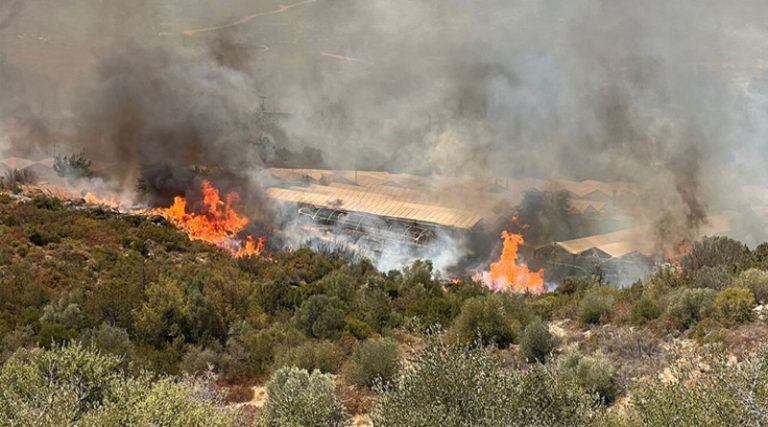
(510, 276)
(218, 224)
(252, 247)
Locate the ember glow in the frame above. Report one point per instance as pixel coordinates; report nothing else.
(218, 222)
(507, 275)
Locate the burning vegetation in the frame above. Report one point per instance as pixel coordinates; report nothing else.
(216, 222)
(508, 274)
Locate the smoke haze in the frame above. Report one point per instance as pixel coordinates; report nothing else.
(671, 95)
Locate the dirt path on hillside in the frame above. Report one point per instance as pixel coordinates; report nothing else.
(247, 18)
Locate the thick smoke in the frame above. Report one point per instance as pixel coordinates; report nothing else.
(669, 95)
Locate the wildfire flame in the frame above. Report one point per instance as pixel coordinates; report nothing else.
(510, 276)
(218, 223)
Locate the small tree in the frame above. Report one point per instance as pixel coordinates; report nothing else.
(297, 398)
(73, 166)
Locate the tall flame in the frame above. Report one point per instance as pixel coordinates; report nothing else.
(508, 275)
(218, 223)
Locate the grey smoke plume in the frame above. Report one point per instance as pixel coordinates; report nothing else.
(670, 95)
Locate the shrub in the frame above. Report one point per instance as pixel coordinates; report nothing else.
(727, 395)
(76, 386)
(595, 306)
(756, 281)
(536, 342)
(734, 305)
(297, 398)
(547, 306)
(688, 306)
(486, 320)
(447, 385)
(321, 316)
(200, 360)
(372, 362)
(595, 374)
(712, 278)
(322, 356)
(358, 328)
(109, 339)
(576, 285)
(645, 310)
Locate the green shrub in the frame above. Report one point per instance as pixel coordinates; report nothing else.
(595, 374)
(52, 333)
(372, 362)
(645, 310)
(756, 281)
(548, 306)
(688, 306)
(536, 342)
(716, 251)
(734, 305)
(358, 328)
(446, 385)
(46, 202)
(484, 320)
(595, 307)
(322, 356)
(321, 316)
(297, 398)
(712, 278)
(199, 360)
(727, 395)
(109, 339)
(75, 386)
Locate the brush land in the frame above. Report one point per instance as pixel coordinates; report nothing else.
(112, 319)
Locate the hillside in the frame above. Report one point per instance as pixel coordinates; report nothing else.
(137, 289)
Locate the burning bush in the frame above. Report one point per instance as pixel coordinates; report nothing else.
(218, 222)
